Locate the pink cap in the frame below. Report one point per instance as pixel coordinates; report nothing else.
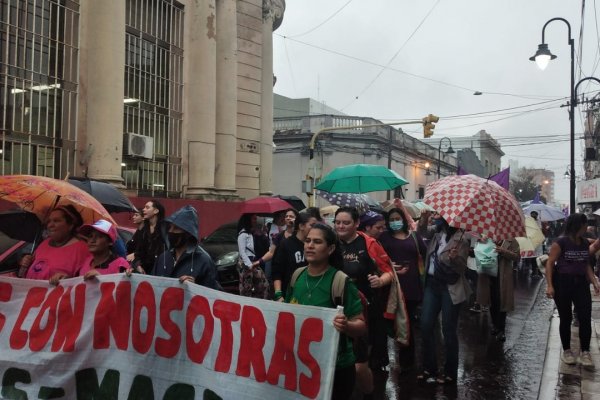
(102, 226)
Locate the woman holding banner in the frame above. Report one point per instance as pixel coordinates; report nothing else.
(313, 286)
(61, 252)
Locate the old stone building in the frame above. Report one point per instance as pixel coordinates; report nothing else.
(163, 97)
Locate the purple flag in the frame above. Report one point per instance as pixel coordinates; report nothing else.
(461, 171)
(502, 178)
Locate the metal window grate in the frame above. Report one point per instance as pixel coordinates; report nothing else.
(154, 93)
(39, 43)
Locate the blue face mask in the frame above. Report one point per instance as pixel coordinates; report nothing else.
(396, 225)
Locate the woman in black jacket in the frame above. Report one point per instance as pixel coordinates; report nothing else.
(289, 254)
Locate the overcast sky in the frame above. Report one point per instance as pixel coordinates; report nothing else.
(333, 51)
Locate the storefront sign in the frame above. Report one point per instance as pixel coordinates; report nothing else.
(588, 191)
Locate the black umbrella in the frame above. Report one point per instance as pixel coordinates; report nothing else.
(108, 195)
(20, 225)
(293, 201)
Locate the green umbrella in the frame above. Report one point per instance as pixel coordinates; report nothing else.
(360, 178)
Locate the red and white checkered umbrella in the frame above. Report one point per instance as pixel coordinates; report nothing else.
(476, 204)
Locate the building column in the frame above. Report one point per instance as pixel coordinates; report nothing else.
(101, 88)
(200, 74)
(272, 17)
(226, 104)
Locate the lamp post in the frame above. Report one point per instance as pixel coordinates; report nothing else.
(542, 57)
(450, 150)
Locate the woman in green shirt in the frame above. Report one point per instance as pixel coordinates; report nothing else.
(313, 287)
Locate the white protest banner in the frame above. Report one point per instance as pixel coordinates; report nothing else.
(145, 337)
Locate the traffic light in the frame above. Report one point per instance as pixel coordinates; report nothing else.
(428, 125)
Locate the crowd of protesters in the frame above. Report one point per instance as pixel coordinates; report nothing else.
(168, 247)
(299, 256)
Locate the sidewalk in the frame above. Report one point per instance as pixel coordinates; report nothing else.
(571, 382)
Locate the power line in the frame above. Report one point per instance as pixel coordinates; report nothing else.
(499, 119)
(324, 22)
(502, 109)
(290, 67)
(580, 49)
(597, 55)
(393, 57)
(524, 96)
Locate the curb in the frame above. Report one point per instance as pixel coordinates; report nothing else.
(561, 381)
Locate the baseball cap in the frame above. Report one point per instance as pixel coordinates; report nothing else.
(102, 226)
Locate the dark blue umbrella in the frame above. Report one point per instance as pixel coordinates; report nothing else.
(108, 195)
(294, 201)
(20, 225)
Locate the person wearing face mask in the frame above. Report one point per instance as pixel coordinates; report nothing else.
(446, 288)
(185, 259)
(405, 249)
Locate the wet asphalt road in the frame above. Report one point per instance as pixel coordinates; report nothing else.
(488, 369)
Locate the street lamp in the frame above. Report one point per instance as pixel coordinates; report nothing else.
(450, 150)
(542, 57)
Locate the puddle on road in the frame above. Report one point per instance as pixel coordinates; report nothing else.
(488, 369)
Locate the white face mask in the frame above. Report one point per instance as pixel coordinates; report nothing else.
(329, 220)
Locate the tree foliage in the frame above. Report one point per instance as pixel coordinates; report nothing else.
(523, 186)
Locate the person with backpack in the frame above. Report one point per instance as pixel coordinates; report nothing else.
(368, 265)
(314, 285)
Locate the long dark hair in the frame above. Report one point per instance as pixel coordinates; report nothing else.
(301, 218)
(161, 209)
(574, 223)
(314, 212)
(336, 259)
(402, 215)
(245, 223)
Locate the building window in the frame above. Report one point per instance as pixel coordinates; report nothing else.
(153, 98)
(39, 45)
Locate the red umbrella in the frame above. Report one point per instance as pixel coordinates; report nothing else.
(476, 204)
(264, 205)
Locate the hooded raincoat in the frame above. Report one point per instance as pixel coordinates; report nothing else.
(195, 261)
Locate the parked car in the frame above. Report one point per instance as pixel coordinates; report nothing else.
(12, 250)
(222, 246)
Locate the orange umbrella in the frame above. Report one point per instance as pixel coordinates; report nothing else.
(39, 195)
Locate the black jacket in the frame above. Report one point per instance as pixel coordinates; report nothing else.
(289, 256)
(193, 262)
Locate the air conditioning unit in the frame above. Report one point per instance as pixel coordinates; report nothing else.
(140, 145)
